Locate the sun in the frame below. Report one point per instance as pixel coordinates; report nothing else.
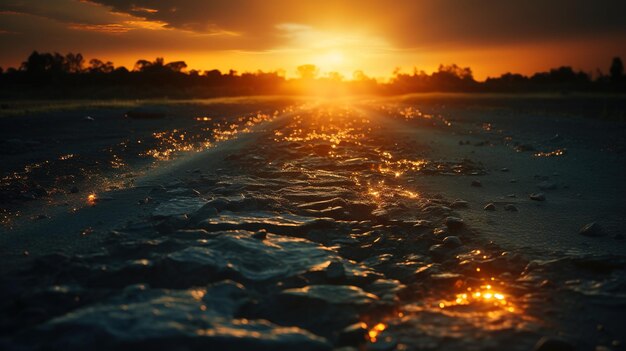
(332, 60)
(332, 49)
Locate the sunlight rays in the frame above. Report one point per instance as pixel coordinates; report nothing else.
(341, 51)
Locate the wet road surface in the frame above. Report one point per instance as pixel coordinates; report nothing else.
(316, 228)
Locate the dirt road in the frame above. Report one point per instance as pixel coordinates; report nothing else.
(318, 227)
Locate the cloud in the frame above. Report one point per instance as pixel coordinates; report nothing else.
(421, 24)
(66, 11)
(409, 23)
(494, 22)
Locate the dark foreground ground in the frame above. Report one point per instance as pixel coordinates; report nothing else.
(397, 224)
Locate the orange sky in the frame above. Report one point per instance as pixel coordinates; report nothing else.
(492, 37)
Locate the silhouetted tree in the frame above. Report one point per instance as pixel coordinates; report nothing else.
(74, 63)
(159, 66)
(455, 71)
(453, 78)
(119, 70)
(307, 71)
(507, 82)
(335, 76)
(562, 78)
(65, 76)
(97, 66)
(35, 63)
(142, 65)
(39, 63)
(617, 70)
(407, 83)
(359, 76)
(176, 66)
(213, 74)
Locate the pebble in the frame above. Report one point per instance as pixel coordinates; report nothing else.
(490, 207)
(387, 289)
(446, 279)
(421, 224)
(476, 183)
(441, 231)
(538, 196)
(504, 169)
(335, 270)
(179, 206)
(593, 230)
(261, 234)
(459, 204)
(510, 207)
(331, 294)
(354, 334)
(452, 241)
(454, 223)
(438, 251)
(144, 201)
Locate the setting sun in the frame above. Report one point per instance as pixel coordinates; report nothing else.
(331, 61)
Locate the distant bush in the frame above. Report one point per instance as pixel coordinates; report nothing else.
(52, 75)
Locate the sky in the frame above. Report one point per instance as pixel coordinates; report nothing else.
(375, 36)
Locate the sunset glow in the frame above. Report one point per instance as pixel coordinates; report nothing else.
(340, 37)
(312, 175)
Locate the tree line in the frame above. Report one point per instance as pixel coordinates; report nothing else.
(52, 75)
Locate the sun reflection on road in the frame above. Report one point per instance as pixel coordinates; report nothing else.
(557, 152)
(92, 199)
(170, 143)
(482, 294)
(375, 331)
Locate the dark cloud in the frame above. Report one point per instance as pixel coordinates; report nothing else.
(68, 11)
(404, 23)
(409, 23)
(514, 21)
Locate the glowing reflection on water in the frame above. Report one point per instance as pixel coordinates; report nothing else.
(173, 142)
(375, 331)
(557, 152)
(92, 199)
(110, 168)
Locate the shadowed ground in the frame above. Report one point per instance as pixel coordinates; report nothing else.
(317, 226)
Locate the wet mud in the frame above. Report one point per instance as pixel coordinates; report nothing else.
(315, 236)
